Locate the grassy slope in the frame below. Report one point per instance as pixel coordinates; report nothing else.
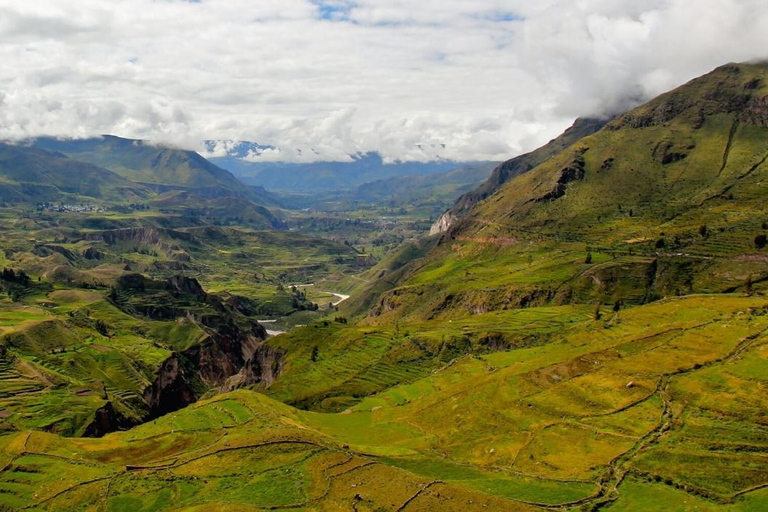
(551, 424)
(240, 451)
(639, 209)
(520, 165)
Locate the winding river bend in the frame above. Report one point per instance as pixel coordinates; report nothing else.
(340, 297)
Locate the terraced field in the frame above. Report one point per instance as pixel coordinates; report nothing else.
(612, 412)
(57, 368)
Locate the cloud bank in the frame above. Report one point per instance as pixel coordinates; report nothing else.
(321, 79)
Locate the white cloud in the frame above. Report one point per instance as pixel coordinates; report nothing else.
(326, 78)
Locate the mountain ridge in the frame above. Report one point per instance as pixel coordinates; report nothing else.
(36, 175)
(155, 166)
(514, 167)
(328, 176)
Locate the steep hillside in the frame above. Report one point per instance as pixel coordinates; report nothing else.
(667, 199)
(80, 363)
(513, 168)
(29, 175)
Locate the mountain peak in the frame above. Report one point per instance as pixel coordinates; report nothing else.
(730, 88)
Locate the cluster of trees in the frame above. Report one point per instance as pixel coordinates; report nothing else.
(11, 276)
(299, 300)
(15, 283)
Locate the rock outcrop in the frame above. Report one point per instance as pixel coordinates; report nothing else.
(573, 172)
(185, 376)
(443, 223)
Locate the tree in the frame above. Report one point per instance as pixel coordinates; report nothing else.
(314, 354)
(761, 241)
(598, 315)
(703, 230)
(617, 306)
(748, 285)
(588, 259)
(102, 327)
(23, 278)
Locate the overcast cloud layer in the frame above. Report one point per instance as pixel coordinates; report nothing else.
(485, 78)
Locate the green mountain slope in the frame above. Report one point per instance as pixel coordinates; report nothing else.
(623, 419)
(515, 167)
(29, 175)
(161, 168)
(669, 198)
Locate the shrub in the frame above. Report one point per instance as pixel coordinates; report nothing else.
(761, 241)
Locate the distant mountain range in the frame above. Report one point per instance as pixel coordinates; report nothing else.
(317, 177)
(110, 169)
(441, 186)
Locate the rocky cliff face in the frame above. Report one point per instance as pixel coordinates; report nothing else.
(443, 223)
(186, 375)
(234, 342)
(262, 368)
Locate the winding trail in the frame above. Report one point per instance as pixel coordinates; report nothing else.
(340, 296)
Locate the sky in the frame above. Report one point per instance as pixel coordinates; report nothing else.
(322, 79)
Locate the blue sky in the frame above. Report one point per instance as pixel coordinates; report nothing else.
(334, 10)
